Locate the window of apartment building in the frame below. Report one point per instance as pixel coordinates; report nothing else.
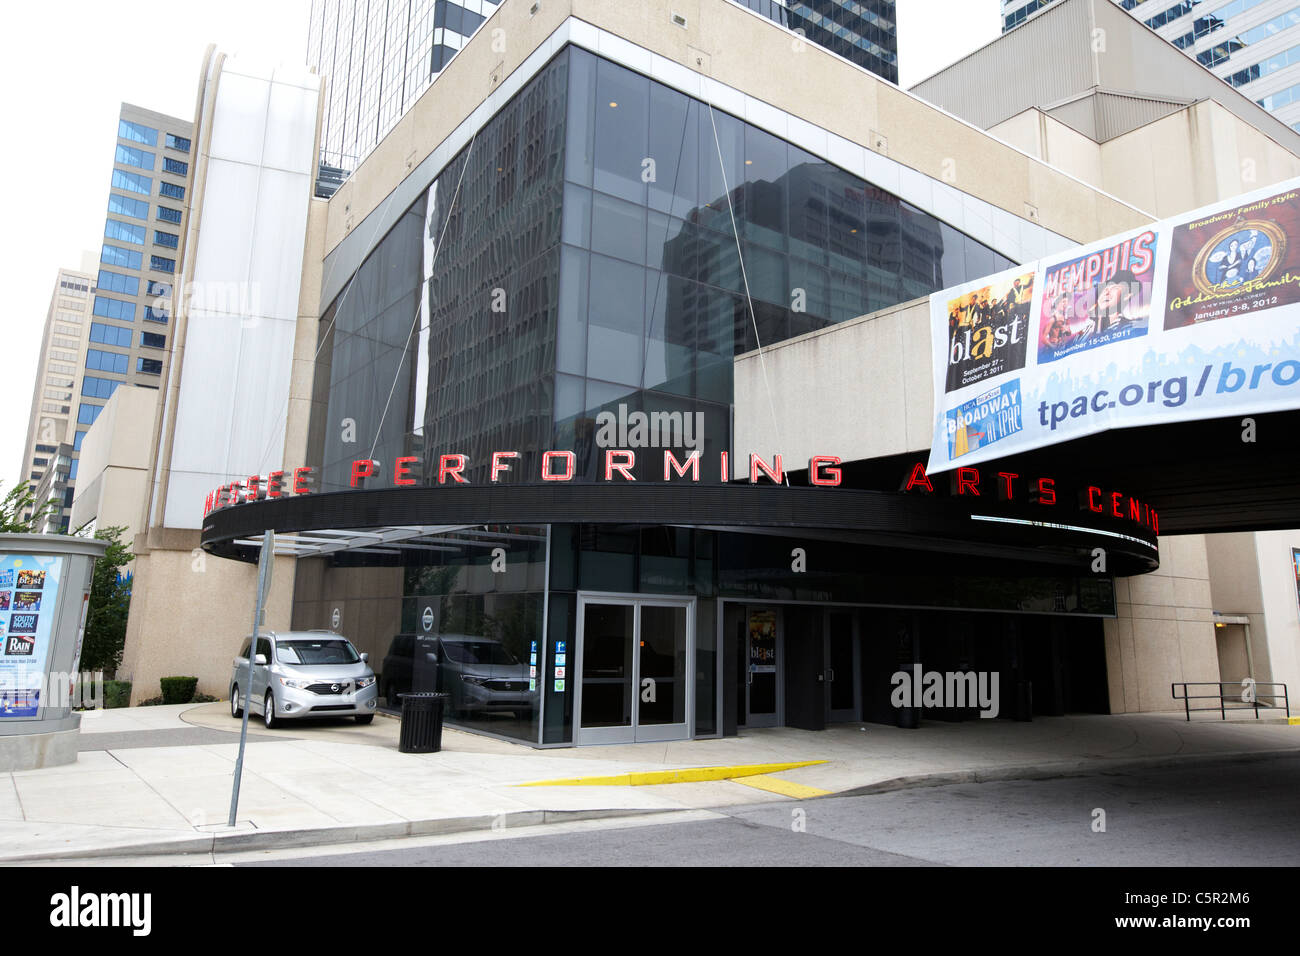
(167, 214)
(35, 476)
(86, 415)
(66, 330)
(114, 309)
(160, 289)
(162, 264)
(69, 304)
(178, 142)
(122, 258)
(76, 442)
(60, 393)
(148, 366)
(101, 361)
(124, 232)
(74, 287)
(96, 387)
(42, 462)
(130, 156)
(168, 239)
(110, 335)
(125, 206)
(132, 182)
(117, 282)
(155, 315)
(153, 340)
(71, 317)
(171, 190)
(59, 381)
(62, 367)
(66, 343)
(175, 166)
(63, 356)
(137, 133)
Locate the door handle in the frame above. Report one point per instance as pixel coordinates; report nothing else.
(830, 674)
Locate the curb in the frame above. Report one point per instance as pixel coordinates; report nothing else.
(1058, 770)
(242, 841)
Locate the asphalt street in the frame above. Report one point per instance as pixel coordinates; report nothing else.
(1229, 815)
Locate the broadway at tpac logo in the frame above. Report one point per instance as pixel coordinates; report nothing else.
(984, 419)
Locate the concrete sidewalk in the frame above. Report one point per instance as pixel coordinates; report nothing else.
(157, 780)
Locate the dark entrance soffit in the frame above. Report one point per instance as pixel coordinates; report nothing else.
(870, 518)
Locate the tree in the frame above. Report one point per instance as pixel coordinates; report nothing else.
(110, 601)
(20, 499)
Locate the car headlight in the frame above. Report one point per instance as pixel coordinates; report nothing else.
(295, 683)
(363, 682)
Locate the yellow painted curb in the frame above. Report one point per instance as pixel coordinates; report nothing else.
(786, 788)
(1293, 721)
(688, 775)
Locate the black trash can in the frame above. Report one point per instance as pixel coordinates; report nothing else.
(421, 723)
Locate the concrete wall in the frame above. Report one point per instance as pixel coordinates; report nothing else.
(1281, 607)
(189, 613)
(1190, 158)
(113, 475)
(1164, 631)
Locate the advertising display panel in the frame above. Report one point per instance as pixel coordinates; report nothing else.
(1195, 317)
(29, 589)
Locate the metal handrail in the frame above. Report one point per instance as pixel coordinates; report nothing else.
(1224, 699)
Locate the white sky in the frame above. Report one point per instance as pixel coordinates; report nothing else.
(66, 66)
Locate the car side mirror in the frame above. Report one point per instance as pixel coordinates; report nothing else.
(260, 660)
(364, 657)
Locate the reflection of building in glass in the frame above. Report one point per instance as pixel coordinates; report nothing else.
(863, 31)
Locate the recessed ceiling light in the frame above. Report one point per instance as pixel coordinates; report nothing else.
(613, 105)
(749, 162)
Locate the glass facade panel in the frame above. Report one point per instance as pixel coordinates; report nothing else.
(573, 271)
(137, 133)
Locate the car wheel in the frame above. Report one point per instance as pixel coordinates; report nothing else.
(365, 718)
(268, 712)
(235, 710)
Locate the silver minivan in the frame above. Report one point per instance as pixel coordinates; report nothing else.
(302, 674)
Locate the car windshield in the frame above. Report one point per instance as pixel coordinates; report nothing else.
(478, 652)
(337, 651)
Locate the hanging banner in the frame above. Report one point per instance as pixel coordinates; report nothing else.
(1191, 318)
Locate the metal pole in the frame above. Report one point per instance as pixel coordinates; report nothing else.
(263, 582)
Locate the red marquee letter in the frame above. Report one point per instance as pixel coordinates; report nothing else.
(692, 462)
(400, 471)
(919, 479)
(569, 461)
(627, 459)
(1094, 493)
(273, 484)
(757, 464)
(302, 479)
(1046, 491)
(498, 462)
(968, 478)
(452, 465)
(363, 468)
(833, 475)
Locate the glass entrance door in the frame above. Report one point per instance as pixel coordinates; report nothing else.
(635, 659)
(761, 659)
(841, 656)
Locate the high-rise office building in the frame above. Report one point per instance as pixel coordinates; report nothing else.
(131, 311)
(378, 58)
(1252, 45)
(59, 370)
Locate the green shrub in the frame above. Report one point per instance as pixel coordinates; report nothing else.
(150, 702)
(117, 693)
(203, 699)
(178, 690)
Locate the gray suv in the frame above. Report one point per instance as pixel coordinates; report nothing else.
(303, 674)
